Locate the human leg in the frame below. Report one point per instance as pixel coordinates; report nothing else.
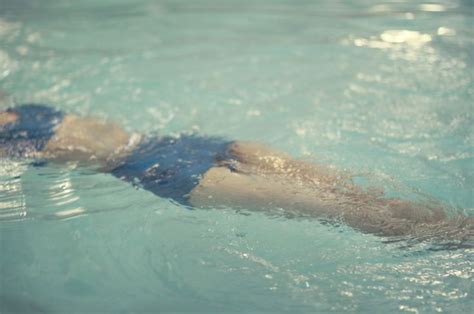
(292, 197)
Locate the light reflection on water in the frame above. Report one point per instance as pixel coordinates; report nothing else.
(53, 192)
(12, 201)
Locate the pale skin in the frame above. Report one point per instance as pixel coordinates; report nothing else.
(261, 178)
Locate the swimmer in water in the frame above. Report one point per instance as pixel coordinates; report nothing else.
(204, 172)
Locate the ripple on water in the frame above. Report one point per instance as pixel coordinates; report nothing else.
(7, 64)
(58, 192)
(12, 199)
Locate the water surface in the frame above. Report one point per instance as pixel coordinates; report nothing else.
(383, 89)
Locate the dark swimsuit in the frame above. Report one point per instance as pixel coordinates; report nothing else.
(167, 166)
(171, 167)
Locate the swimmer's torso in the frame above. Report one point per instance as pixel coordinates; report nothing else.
(167, 166)
(172, 167)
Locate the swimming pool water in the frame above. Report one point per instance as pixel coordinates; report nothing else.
(383, 89)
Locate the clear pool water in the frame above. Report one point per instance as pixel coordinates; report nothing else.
(384, 89)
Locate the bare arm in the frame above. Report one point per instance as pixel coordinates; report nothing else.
(84, 139)
(88, 140)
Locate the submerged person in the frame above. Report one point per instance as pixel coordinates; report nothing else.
(200, 172)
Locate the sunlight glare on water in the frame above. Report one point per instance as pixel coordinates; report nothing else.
(381, 89)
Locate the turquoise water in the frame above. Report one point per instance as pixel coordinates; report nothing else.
(383, 89)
